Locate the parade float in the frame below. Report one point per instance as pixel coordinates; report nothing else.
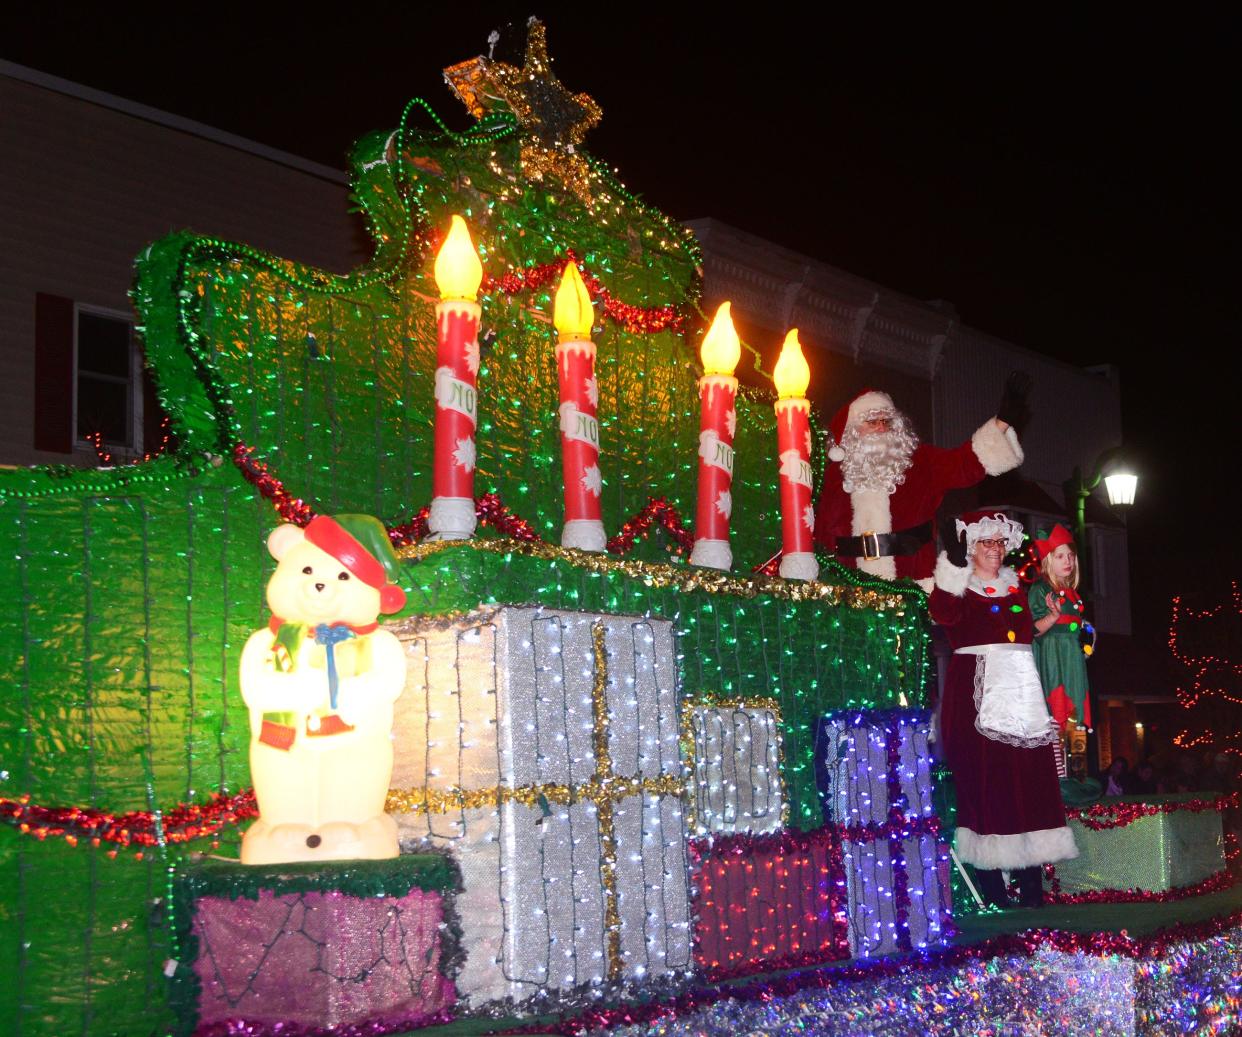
(554, 757)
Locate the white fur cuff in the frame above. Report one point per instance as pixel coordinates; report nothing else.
(584, 534)
(1016, 851)
(451, 518)
(713, 554)
(799, 565)
(868, 402)
(950, 578)
(885, 568)
(998, 451)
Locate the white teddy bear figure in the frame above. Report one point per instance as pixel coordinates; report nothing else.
(320, 682)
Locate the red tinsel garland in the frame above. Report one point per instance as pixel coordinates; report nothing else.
(490, 510)
(1102, 816)
(184, 822)
(772, 567)
(410, 532)
(289, 508)
(659, 510)
(1212, 884)
(643, 320)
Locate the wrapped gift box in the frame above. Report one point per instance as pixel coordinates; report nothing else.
(541, 747)
(323, 945)
(874, 772)
(734, 749)
(769, 901)
(877, 923)
(1161, 851)
(854, 765)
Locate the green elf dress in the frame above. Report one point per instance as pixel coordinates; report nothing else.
(1059, 656)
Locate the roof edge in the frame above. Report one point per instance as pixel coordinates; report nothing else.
(174, 122)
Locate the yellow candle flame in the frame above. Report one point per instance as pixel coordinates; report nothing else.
(458, 270)
(791, 374)
(572, 313)
(721, 349)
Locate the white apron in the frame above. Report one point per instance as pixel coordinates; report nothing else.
(1009, 698)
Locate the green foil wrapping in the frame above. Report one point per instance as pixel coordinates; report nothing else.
(1157, 853)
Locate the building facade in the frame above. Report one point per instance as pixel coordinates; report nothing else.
(87, 181)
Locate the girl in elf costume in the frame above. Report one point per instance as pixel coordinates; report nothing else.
(1057, 610)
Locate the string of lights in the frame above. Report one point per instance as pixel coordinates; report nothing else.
(1213, 677)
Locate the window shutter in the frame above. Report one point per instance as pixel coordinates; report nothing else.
(53, 402)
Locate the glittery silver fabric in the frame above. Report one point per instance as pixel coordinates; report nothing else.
(502, 699)
(736, 769)
(856, 768)
(1049, 993)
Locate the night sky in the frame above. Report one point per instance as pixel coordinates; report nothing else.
(1067, 185)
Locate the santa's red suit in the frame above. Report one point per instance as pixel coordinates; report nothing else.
(911, 506)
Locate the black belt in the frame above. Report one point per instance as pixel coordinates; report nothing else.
(885, 545)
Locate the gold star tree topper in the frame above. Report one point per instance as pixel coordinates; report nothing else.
(553, 121)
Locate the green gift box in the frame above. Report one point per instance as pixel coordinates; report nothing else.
(1172, 849)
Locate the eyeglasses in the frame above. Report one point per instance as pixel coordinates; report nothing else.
(992, 545)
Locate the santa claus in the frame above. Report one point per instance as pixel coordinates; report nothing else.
(877, 507)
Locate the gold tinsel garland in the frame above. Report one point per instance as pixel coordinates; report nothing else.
(684, 579)
(603, 773)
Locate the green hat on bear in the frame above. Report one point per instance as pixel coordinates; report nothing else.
(361, 544)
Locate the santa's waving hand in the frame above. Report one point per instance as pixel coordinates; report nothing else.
(877, 506)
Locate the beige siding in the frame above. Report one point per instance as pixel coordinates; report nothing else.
(84, 188)
(1076, 414)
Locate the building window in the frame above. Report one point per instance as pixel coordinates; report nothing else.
(108, 397)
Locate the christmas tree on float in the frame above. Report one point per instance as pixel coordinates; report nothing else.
(326, 392)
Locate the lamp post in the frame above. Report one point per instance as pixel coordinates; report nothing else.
(1120, 483)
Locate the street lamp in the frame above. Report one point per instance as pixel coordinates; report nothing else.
(1121, 487)
(1120, 484)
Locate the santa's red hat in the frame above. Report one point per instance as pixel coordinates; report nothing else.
(1059, 535)
(850, 413)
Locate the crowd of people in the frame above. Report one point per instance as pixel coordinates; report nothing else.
(1183, 771)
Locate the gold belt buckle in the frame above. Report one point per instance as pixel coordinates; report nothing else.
(870, 546)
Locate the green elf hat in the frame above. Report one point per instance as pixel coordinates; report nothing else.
(361, 544)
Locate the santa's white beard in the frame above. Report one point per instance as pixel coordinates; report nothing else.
(878, 461)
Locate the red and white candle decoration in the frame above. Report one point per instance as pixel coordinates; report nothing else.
(458, 276)
(720, 351)
(575, 364)
(793, 439)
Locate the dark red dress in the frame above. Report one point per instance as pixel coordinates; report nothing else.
(1009, 809)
